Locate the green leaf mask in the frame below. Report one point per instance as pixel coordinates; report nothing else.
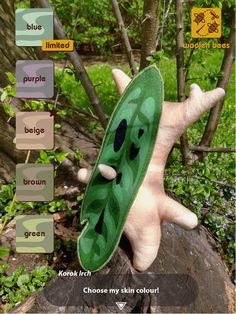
(127, 147)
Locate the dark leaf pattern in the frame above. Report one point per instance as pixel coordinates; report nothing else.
(131, 133)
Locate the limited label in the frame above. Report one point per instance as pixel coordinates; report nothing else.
(34, 234)
(34, 130)
(34, 182)
(34, 79)
(58, 45)
(33, 25)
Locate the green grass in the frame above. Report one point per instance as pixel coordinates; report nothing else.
(102, 79)
(16, 287)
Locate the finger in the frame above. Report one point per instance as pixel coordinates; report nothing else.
(214, 96)
(121, 79)
(195, 91)
(199, 102)
(145, 244)
(175, 212)
(84, 175)
(107, 172)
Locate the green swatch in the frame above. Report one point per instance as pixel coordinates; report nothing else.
(34, 234)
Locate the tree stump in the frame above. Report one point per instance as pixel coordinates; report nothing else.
(190, 275)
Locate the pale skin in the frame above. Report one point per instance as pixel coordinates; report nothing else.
(152, 205)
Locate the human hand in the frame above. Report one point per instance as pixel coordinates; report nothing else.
(152, 205)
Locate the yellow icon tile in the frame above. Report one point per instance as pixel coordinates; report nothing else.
(206, 23)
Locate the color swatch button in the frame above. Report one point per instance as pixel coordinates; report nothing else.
(34, 130)
(34, 234)
(34, 182)
(34, 79)
(33, 25)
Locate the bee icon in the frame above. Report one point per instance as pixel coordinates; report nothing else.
(213, 28)
(214, 16)
(199, 17)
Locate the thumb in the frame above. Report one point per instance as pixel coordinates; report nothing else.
(106, 172)
(84, 175)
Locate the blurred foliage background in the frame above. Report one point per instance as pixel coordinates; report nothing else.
(206, 187)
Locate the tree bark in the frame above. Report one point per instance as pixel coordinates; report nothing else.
(9, 52)
(125, 37)
(223, 82)
(184, 145)
(79, 68)
(149, 31)
(210, 149)
(162, 26)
